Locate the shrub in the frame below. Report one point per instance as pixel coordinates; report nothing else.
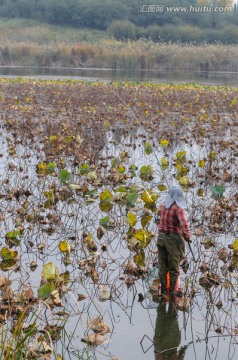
(122, 30)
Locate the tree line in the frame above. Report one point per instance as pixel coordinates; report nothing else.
(129, 19)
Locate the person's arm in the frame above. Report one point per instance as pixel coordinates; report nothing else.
(184, 224)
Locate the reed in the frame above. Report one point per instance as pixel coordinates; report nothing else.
(30, 43)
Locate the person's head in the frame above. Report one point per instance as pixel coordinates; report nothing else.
(175, 195)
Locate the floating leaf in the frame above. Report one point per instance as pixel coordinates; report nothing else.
(115, 162)
(217, 191)
(233, 102)
(181, 155)
(145, 220)
(100, 231)
(94, 339)
(123, 155)
(91, 245)
(148, 148)
(131, 198)
(45, 290)
(50, 271)
(97, 324)
(143, 236)
(6, 265)
(201, 163)
(74, 186)
(162, 187)
(13, 234)
(164, 143)
(52, 138)
(121, 189)
(84, 169)
(212, 155)
(184, 180)
(8, 254)
(106, 196)
(64, 175)
(208, 243)
(146, 172)
(64, 246)
(139, 259)
(79, 139)
(121, 169)
(164, 163)
(106, 206)
(68, 138)
(41, 168)
(51, 168)
(200, 192)
(92, 175)
(49, 194)
(104, 294)
(131, 219)
(235, 246)
(145, 196)
(104, 222)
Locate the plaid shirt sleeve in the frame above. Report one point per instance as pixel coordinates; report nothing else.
(183, 222)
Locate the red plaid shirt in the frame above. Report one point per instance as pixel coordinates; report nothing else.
(173, 220)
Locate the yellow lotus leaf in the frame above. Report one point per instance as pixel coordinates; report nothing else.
(145, 196)
(140, 234)
(41, 168)
(106, 196)
(52, 138)
(201, 163)
(184, 180)
(164, 143)
(50, 271)
(64, 246)
(235, 245)
(154, 197)
(162, 187)
(8, 254)
(212, 155)
(164, 162)
(145, 220)
(131, 218)
(200, 192)
(181, 154)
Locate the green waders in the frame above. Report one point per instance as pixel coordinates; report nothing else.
(171, 249)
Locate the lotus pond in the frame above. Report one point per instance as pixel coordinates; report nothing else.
(84, 168)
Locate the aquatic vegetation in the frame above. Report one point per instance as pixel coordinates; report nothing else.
(80, 190)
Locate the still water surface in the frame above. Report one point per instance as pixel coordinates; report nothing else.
(136, 323)
(205, 78)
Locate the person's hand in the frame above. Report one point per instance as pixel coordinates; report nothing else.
(187, 239)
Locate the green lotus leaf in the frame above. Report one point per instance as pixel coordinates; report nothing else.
(148, 148)
(64, 175)
(45, 290)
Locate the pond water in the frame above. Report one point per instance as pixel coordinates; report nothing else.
(206, 78)
(205, 331)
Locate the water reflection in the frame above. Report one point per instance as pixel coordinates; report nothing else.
(167, 336)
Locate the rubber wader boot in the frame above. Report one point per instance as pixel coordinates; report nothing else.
(163, 287)
(172, 288)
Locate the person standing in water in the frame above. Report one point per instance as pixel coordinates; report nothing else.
(173, 230)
